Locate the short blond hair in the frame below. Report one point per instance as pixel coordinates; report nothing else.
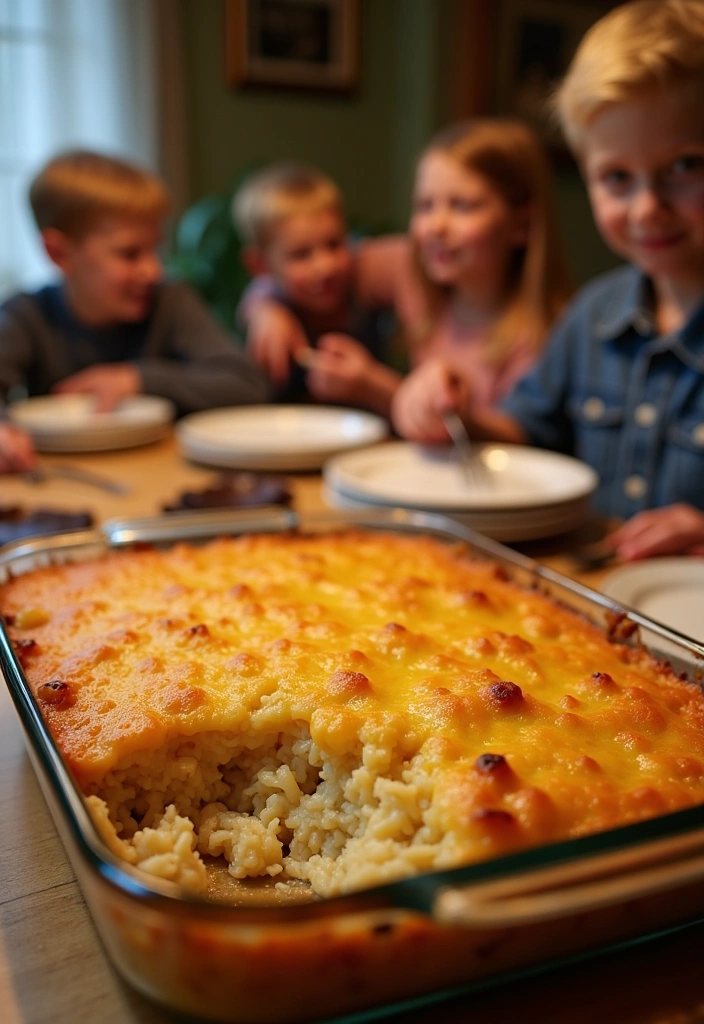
(76, 189)
(277, 192)
(636, 49)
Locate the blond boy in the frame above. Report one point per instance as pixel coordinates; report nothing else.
(111, 327)
(621, 384)
(292, 220)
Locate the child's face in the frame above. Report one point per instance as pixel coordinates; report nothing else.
(309, 257)
(112, 271)
(464, 230)
(643, 162)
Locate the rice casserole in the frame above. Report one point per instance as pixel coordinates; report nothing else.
(342, 709)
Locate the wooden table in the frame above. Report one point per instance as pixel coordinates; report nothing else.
(52, 967)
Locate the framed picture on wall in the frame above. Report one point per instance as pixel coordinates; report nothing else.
(536, 40)
(307, 44)
(518, 50)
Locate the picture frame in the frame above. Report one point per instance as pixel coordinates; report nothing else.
(292, 44)
(519, 50)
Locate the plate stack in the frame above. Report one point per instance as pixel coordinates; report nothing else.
(69, 423)
(524, 494)
(669, 590)
(275, 437)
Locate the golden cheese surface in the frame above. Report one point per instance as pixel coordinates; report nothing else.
(529, 716)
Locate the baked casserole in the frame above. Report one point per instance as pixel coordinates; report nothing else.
(342, 709)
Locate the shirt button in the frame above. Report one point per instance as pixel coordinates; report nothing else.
(634, 486)
(645, 415)
(593, 408)
(698, 435)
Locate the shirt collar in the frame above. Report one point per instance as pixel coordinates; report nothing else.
(630, 306)
(688, 344)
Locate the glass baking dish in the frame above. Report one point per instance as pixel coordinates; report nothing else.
(370, 951)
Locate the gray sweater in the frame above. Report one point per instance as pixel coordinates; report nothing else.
(181, 352)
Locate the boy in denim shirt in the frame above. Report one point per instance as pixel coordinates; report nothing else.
(621, 384)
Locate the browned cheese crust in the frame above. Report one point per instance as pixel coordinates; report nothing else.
(435, 711)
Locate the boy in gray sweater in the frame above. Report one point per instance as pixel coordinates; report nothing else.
(111, 327)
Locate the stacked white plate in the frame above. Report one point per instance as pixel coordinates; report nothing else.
(669, 590)
(69, 423)
(276, 437)
(527, 493)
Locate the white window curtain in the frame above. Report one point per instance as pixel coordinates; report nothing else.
(72, 73)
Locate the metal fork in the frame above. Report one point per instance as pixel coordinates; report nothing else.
(84, 476)
(593, 556)
(473, 469)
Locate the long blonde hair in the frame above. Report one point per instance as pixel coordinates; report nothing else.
(509, 155)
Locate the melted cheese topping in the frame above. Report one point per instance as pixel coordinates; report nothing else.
(525, 721)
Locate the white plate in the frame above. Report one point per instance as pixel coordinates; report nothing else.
(282, 462)
(405, 474)
(669, 590)
(68, 423)
(503, 525)
(284, 437)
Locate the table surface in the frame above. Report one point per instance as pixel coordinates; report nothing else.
(53, 969)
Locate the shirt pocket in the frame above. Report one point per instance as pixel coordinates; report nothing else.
(597, 415)
(683, 470)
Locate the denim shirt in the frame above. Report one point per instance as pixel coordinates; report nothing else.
(629, 402)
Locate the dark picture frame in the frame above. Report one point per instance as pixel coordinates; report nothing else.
(517, 52)
(293, 44)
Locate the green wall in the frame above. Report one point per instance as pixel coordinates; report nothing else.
(367, 141)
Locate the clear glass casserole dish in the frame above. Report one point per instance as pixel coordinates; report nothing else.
(374, 948)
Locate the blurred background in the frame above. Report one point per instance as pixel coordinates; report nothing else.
(204, 91)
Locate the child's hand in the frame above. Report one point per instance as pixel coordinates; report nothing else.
(108, 382)
(16, 449)
(339, 370)
(431, 390)
(274, 338)
(674, 530)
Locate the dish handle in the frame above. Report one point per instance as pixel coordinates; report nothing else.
(601, 881)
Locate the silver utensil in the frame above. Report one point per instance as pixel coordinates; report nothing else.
(84, 476)
(473, 469)
(305, 357)
(592, 556)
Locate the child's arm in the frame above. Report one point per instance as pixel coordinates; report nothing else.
(343, 371)
(385, 275)
(189, 358)
(195, 362)
(23, 342)
(435, 388)
(109, 383)
(16, 354)
(16, 449)
(674, 530)
(275, 335)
